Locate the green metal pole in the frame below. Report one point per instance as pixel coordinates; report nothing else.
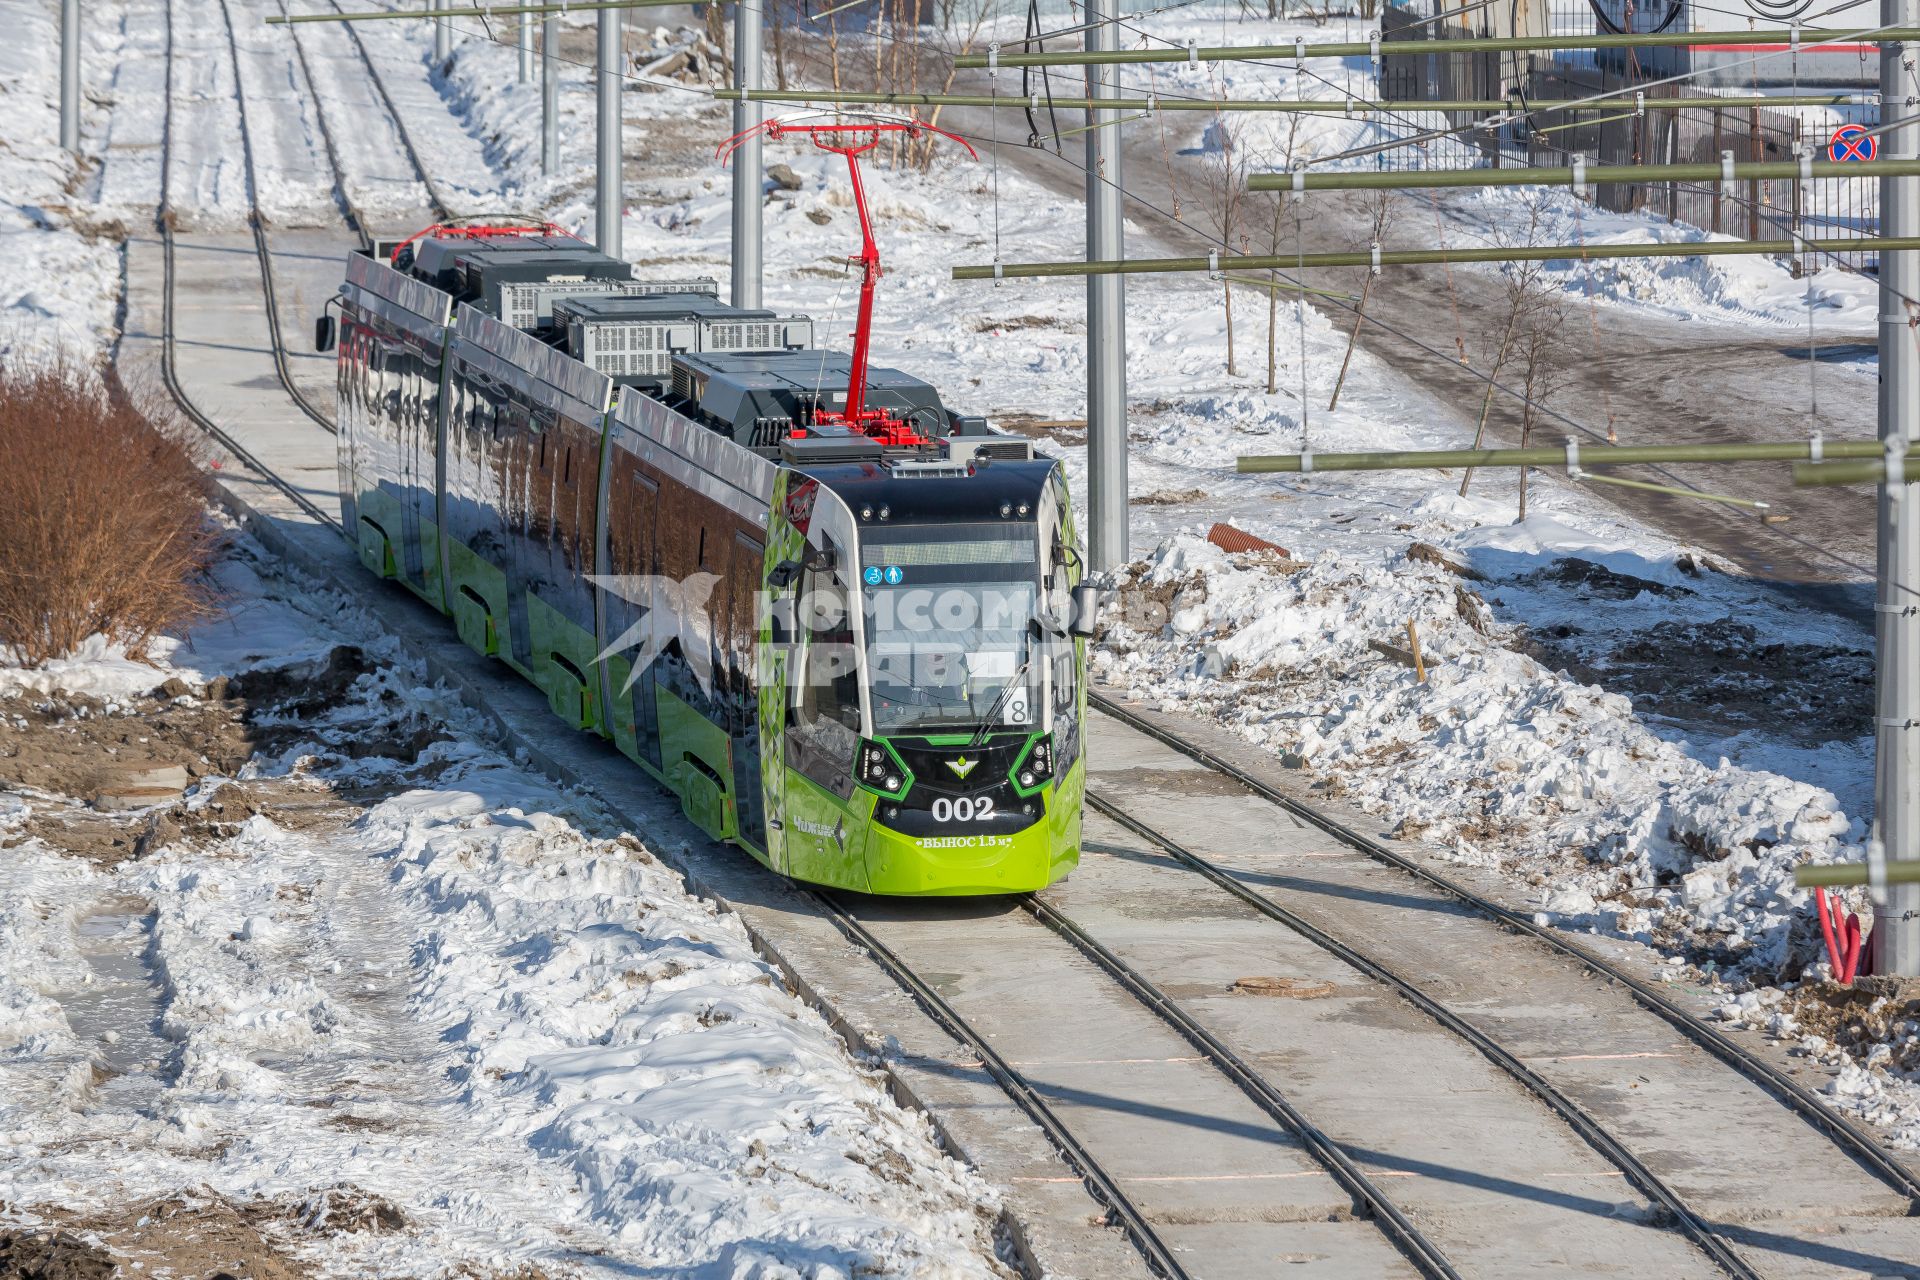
(1562, 175)
(1327, 106)
(1426, 257)
(1599, 455)
(1822, 473)
(1806, 39)
(1841, 874)
(475, 11)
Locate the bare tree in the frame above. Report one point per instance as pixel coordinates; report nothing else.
(1527, 327)
(1379, 208)
(1541, 356)
(1226, 178)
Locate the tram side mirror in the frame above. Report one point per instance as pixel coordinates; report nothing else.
(1086, 612)
(323, 333)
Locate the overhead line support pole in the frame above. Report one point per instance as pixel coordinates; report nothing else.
(523, 36)
(1307, 106)
(70, 76)
(1563, 175)
(1107, 541)
(1429, 257)
(1808, 42)
(442, 34)
(442, 10)
(1597, 455)
(607, 176)
(550, 95)
(748, 205)
(1896, 932)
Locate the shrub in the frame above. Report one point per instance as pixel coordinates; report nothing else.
(103, 517)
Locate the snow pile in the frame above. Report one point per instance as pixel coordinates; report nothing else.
(474, 1017)
(1495, 758)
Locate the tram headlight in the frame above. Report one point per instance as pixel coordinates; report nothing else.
(878, 769)
(1036, 767)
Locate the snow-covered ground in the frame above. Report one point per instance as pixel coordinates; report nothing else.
(378, 970)
(1639, 815)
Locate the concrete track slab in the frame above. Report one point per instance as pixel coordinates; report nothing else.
(1480, 1165)
(1734, 1152)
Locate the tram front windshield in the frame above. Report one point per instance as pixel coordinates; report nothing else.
(948, 617)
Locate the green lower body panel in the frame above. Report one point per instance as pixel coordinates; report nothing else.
(698, 759)
(379, 534)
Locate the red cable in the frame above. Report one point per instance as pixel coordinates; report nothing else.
(1844, 957)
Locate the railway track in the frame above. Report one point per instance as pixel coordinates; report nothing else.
(1691, 1223)
(1394, 1223)
(1845, 1135)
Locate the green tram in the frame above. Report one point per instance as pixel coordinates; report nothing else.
(855, 648)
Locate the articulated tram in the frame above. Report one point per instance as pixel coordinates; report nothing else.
(842, 622)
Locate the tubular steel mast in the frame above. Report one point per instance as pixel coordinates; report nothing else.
(877, 423)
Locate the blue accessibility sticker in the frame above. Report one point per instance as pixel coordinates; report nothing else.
(872, 575)
(894, 575)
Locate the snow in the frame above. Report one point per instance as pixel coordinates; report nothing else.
(597, 1040)
(477, 1001)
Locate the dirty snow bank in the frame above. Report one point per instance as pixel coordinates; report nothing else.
(1517, 765)
(468, 1028)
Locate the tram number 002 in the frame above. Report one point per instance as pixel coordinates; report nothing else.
(965, 809)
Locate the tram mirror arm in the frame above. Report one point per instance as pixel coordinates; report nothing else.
(1086, 612)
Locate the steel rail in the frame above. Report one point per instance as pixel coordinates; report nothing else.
(436, 202)
(356, 222)
(1807, 40)
(1307, 106)
(1649, 1183)
(1425, 1255)
(169, 376)
(1841, 1131)
(258, 225)
(1100, 1184)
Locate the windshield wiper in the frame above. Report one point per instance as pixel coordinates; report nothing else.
(993, 712)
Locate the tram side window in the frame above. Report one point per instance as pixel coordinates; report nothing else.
(828, 721)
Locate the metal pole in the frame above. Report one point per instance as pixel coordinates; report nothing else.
(1590, 455)
(1475, 44)
(525, 33)
(747, 202)
(1307, 106)
(70, 76)
(1563, 175)
(607, 176)
(550, 95)
(1427, 257)
(442, 34)
(1106, 314)
(1896, 931)
(443, 9)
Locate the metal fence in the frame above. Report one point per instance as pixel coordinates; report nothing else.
(1748, 209)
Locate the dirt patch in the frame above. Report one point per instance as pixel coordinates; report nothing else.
(1723, 674)
(31, 1254)
(1590, 581)
(1168, 497)
(97, 754)
(345, 1208)
(207, 1238)
(1871, 1026)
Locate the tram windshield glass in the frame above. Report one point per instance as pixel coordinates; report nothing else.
(948, 619)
